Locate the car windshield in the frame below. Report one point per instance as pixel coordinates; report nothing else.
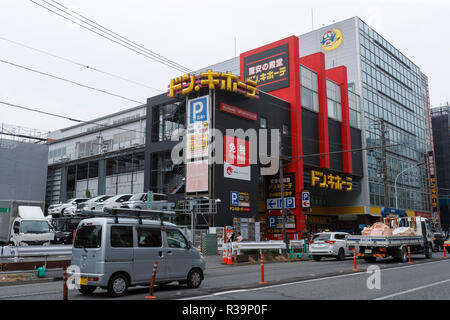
(34, 226)
(322, 236)
(137, 197)
(88, 237)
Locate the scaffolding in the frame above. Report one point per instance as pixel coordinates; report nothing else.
(10, 134)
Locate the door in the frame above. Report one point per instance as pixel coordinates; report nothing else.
(149, 250)
(179, 257)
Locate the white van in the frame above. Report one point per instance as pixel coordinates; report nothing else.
(117, 252)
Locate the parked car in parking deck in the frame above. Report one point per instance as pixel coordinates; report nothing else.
(91, 203)
(113, 202)
(329, 244)
(61, 208)
(139, 201)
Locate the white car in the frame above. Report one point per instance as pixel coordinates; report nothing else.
(92, 203)
(60, 208)
(113, 202)
(329, 244)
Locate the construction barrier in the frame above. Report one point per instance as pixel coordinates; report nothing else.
(152, 283)
(65, 290)
(224, 253)
(262, 269)
(354, 261)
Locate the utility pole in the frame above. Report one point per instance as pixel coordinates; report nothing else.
(283, 211)
(384, 163)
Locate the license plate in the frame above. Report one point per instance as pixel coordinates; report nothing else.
(83, 281)
(368, 251)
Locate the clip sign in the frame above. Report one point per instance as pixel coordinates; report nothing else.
(275, 203)
(306, 199)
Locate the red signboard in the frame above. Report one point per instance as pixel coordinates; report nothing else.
(238, 111)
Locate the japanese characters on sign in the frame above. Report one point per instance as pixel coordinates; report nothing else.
(330, 181)
(239, 201)
(433, 187)
(275, 224)
(274, 186)
(212, 80)
(269, 69)
(237, 158)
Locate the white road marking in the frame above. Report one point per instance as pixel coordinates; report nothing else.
(412, 290)
(306, 281)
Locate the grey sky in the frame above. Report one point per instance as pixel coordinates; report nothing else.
(193, 33)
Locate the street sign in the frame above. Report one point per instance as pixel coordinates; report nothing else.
(306, 199)
(275, 203)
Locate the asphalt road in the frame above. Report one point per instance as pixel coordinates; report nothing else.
(327, 279)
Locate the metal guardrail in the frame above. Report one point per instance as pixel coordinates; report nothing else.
(261, 245)
(35, 251)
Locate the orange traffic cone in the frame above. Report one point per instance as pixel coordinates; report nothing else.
(199, 248)
(230, 259)
(224, 255)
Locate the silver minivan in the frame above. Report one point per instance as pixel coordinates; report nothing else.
(115, 253)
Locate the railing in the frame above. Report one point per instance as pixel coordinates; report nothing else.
(35, 251)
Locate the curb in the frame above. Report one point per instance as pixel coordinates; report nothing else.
(18, 283)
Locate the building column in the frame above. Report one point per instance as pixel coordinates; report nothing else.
(101, 187)
(63, 185)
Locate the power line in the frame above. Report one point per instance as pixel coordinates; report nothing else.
(68, 118)
(118, 35)
(69, 81)
(109, 36)
(79, 64)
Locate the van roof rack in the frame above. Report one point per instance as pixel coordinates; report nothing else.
(117, 213)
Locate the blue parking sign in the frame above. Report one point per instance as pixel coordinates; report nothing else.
(198, 109)
(234, 198)
(306, 196)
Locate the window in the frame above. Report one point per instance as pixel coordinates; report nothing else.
(285, 129)
(149, 238)
(309, 89)
(88, 237)
(175, 239)
(121, 237)
(340, 236)
(263, 122)
(334, 100)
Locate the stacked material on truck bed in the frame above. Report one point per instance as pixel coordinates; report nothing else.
(378, 229)
(404, 231)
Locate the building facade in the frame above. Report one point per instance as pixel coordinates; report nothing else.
(441, 138)
(354, 99)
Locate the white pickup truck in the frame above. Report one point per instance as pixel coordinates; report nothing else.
(396, 246)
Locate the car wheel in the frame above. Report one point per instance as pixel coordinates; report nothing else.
(341, 255)
(87, 290)
(118, 285)
(194, 278)
(317, 258)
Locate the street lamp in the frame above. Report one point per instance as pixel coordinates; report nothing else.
(395, 184)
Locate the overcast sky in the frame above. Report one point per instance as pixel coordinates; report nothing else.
(193, 33)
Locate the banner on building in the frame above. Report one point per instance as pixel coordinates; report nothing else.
(269, 68)
(236, 163)
(433, 183)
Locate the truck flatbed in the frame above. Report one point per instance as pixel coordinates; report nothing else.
(384, 241)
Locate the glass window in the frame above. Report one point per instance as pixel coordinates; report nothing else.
(175, 239)
(149, 237)
(285, 129)
(121, 236)
(88, 237)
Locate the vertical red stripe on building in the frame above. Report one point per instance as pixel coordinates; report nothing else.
(339, 75)
(316, 62)
(291, 94)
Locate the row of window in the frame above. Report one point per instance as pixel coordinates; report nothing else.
(122, 237)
